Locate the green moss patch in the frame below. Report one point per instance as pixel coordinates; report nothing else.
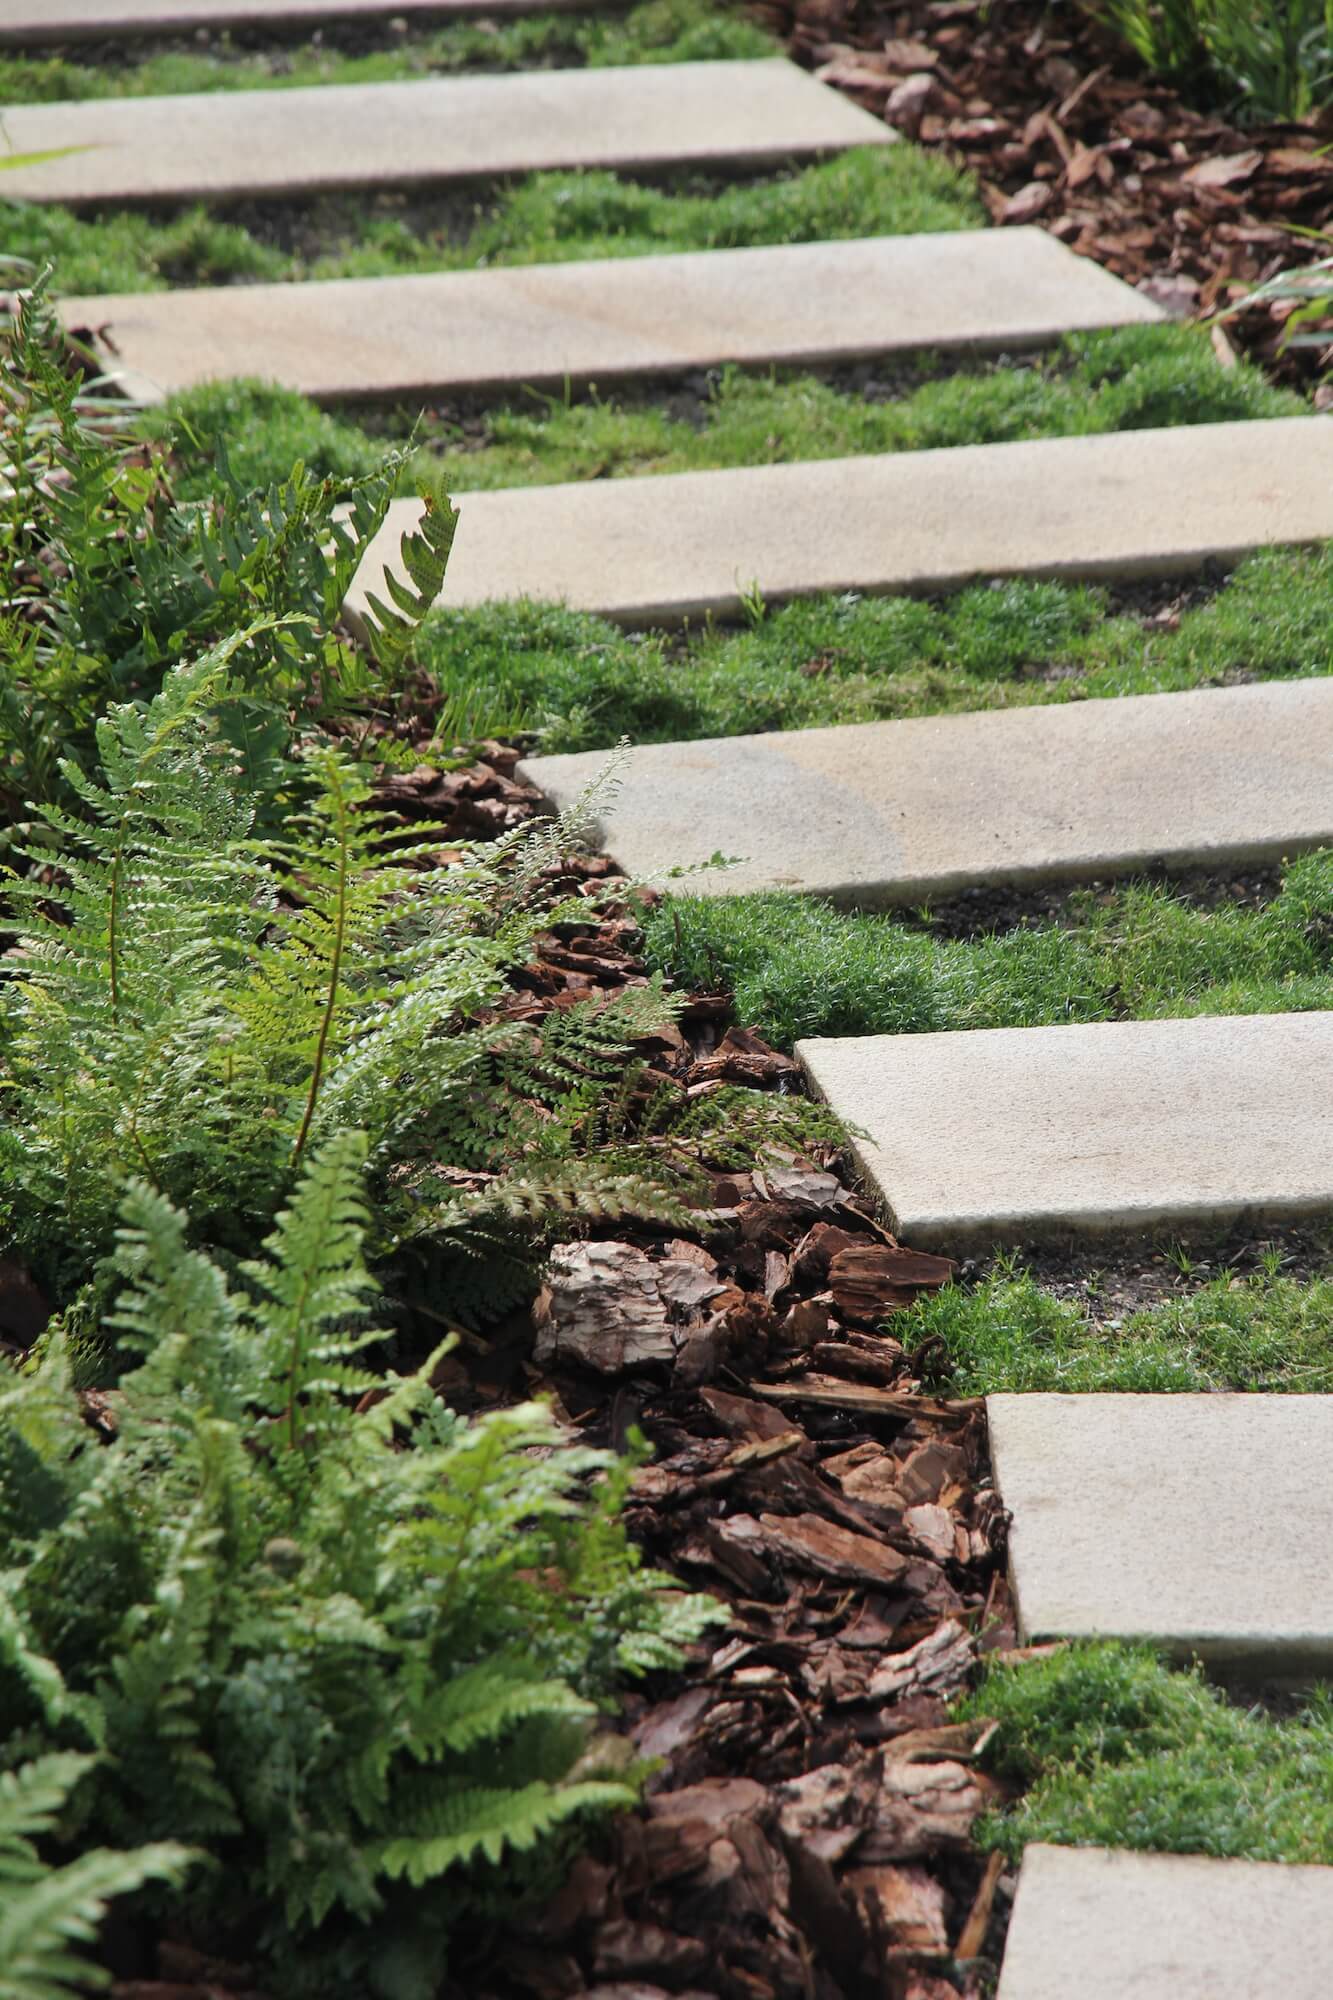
(583, 683)
(1118, 1750)
(546, 218)
(1264, 1332)
(798, 967)
(655, 31)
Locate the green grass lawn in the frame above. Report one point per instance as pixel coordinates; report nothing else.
(1130, 379)
(545, 218)
(798, 967)
(1265, 1332)
(655, 31)
(1119, 1750)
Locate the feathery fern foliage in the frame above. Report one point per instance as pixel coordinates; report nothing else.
(201, 1008)
(48, 1914)
(106, 579)
(344, 1648)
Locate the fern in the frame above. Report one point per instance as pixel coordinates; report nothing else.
(424, 551)
(336, 1651)
(106, 580)
(48, 1913)
(201, 1008)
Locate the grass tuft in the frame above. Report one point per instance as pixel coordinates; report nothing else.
(1085, 385)
(798, 967)
(585, 682)
(547, 218)
(1264, 1333)
(656, 31)
(1119, 1750)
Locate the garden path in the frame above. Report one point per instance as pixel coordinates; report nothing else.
(1180, 1115)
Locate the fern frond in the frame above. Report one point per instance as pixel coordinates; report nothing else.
(425, 557)
(47, 1912)
(480, 1822)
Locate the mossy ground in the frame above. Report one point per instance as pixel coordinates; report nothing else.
(799, 968)
(1264, 1332)
(654, 31)
(1130, 379)
(581, 683)
(542, 219)
(1119, 1750)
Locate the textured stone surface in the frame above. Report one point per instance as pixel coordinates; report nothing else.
(1104, 1127)
(600, 320)
(1201, 1523)
(884, 812)
(80, 20)
(372, 135)
(692, 542)
(1093, 1925)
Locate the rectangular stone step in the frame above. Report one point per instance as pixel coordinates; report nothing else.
(230, 144)
(1137, 503)
(877, 813)
(1089, 1924)
(50, 21)
(1100, 1128)
(1199, 1523)
(605, 320)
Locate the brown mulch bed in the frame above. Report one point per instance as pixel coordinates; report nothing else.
(806, 1836)
(1063, 127)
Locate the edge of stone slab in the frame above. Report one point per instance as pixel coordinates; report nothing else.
(969, 1233)
(1052, 1874)
(1259, 1656)
(76, 24)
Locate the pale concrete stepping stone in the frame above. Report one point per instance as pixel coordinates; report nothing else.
(607, 319)
(1089, 1924)
(877, 813)
(1139, 503)
(35, 21)
(1096, 1128)
(381, 135)
(1199, 1523)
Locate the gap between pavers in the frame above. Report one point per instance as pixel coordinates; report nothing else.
(1092, 1924)
(1199, 1523)
(878, 813)
(1137, 503)
(607, 319)
(1104, 1128)
(230, 144)
(49, 21)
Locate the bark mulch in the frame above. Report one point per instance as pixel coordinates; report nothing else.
(1065, 128)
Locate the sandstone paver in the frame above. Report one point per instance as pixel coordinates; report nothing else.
(1141, 503)
(610, 318)
(1107, 1127)
(34, 21)
(378, 135)
(897, 812)
(1089, 1924)
(1200, 1523)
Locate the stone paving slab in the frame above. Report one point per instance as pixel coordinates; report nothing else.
(1200, 1523)
(607, 319)
(877, 813)
(42, 21)
(1089, 1924)
(380, 135)
(1101, 1128)
(687, 543)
